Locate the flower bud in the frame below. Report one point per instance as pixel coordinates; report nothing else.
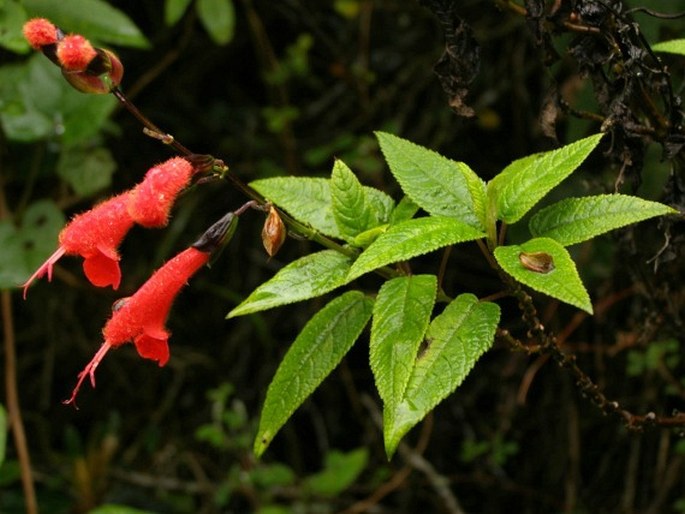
(152, 199)
(218, 235)
(75, 53)
(42, 35)
(103, 73)
(273, 232)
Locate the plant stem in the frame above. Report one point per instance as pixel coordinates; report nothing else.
(13, 408)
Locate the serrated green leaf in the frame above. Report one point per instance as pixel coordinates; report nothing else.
(95, 19)
(351, 211)
(174, 10)
(404, 211)
(456, 339)
(526, 181)
(218, 19)
(308, 200)
(400, 318)
(441, 187)
(340, 471)
(562, 282)
(86, 170)
(574, 220)
(310, 276)
(411, 238)
(317, 350)
(675, 46)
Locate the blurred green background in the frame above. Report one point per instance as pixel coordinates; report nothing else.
(282, 88)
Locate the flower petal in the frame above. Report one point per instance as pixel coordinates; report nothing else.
(101, 270)
(156, 349)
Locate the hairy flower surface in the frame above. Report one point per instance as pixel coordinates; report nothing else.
(141, 318)
(87, 68)
(152, 199)
(39, 32)
(75, 53)
(94, 235)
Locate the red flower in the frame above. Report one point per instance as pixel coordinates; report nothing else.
(152, 199)
(141, 317)
(95, 236)
(75, 53)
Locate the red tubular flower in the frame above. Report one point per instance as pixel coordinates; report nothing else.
(95, 236)
(75, 53)
(39, 32)
(141, 318)
(152, 199)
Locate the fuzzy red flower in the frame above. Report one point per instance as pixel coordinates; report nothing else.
(95, 236)
(75, 53)
(39, 32)
(141, 317)
(152, 199)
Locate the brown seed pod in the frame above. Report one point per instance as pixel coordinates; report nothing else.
(273, 232)
(539, 262)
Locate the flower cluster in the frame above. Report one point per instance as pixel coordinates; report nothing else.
(96, 234)
(86, 68)
(141, 317)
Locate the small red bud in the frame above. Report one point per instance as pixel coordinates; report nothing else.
(75, 53)
(273, 232)
(102, 75)
(39, 32)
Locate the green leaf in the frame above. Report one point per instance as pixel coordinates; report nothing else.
(675, 46)
(12, 19)
(95, 19)
(456, 339)
(340, 471)
(442, 187)
(317, 350)
(174, 10)
(562, 282)
(26, 247)
(3, 433)
(308, 200)
(410, 238)
(86, 170)
(218, 19)
(526, 181)
(574, 220)
(36, 102)
(307, 277)
(400, 318)
(351, 211)
(404, 211)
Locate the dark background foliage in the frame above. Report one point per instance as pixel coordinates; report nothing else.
(300, 83)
